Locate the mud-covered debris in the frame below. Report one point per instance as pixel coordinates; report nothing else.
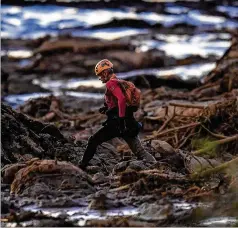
(9, 171)
(121, 166)
(22, 135)
(59, 111)
(117, 222)
(79, 45)
(155, 212)
(7, 207)
(195, 164)
(51, 175)
(100, 178)
(37, 219)
(229, 167)
(178, 125)
(137, 165)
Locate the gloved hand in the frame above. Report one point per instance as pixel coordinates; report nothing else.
(103, 110)
(122, 125)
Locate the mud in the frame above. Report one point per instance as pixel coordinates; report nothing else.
(190, 126)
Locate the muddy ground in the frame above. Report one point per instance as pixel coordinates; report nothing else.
(194, 142)
(191, 127)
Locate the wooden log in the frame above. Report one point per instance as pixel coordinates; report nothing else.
(217, 169)
(215, 143)
(187, 105)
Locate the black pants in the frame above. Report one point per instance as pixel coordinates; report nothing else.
(109, 131)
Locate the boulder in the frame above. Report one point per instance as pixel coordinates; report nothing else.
(162, 147)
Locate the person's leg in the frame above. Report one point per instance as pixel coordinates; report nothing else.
(102, 135)
(136, 147)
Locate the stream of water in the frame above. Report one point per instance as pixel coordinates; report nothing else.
(36, 21)
(31, 22)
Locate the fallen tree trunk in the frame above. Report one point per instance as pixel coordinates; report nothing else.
(214, 144)
(224, 166)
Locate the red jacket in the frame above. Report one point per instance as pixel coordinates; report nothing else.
(114, 96)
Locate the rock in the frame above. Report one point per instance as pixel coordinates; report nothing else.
(162, 147)
(155, 211)
(120, 167)
(93, 169)
(37, 190)
(99, 178)
(137, 165)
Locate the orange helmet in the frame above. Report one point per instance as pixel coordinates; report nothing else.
(103, 65)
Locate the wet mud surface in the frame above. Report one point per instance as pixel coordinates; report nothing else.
(189, 126)
(40, 156)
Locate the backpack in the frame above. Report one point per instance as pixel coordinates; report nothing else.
(131, 93)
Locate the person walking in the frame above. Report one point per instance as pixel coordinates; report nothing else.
(122, 99)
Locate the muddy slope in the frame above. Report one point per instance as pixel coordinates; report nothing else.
(24, 138)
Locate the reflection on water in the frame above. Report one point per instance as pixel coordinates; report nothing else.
(16, 100)
(184, 72)
(219, 222)
(109, 33)
(35, 21)
(182, 46)
(18, 54)
(56, 86)
(230, 10)
(82, 214)
(177, 46)
(69, 84)
(189, 71)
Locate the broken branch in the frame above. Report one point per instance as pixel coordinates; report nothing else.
(187, 105)
(167, 121)
(214, 134)
(172, 129)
